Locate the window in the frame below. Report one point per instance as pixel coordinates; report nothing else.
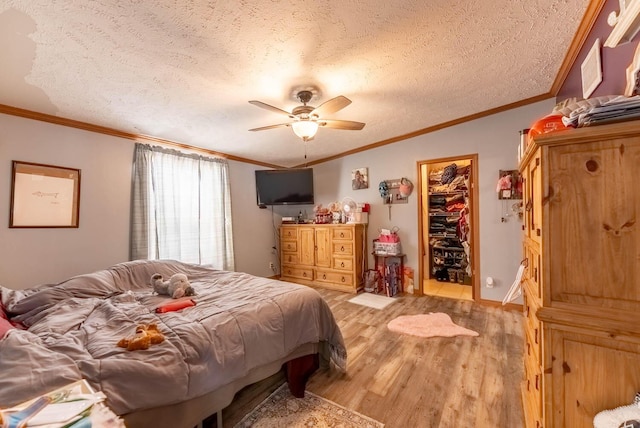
(181, 208)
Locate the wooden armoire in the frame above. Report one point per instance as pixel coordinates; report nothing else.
(581, 196)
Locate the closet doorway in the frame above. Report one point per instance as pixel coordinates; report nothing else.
(447, 224)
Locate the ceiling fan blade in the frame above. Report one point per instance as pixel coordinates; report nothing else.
(271, 108)
(341, 124)
(331, 106)
(280, 125)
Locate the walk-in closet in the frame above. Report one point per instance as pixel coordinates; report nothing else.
(447, 223)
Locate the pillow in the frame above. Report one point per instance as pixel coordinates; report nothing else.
(5, 326)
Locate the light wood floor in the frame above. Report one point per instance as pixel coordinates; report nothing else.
(407, 382)
(433, 287)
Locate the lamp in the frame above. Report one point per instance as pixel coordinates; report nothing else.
(305, 128)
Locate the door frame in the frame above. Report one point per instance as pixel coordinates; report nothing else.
(475, 222)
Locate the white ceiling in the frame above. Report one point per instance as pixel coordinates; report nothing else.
(184, 71)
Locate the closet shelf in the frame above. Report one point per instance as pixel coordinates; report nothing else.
(443, 235)
(446, 214)
(453, 192)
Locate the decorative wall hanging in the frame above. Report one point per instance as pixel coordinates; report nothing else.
(625, 23)
(633, 75)
(44, 196)
(393, 195)
(591, 70)
(509, 184)
(360, 179)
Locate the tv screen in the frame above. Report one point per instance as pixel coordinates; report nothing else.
(284, 186)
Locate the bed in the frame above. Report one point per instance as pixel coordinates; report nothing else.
(242, 329)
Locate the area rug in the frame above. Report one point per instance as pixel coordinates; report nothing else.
(372, 300)
(428, 325)
(283, 410)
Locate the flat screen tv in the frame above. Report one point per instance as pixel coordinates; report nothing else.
(284, 186)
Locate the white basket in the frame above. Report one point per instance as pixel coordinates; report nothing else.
(387, 248)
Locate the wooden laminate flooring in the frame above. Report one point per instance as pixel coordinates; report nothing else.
(405, 381)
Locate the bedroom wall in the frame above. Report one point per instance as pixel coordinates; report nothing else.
(614, 60)
(33, 256)
(493, 138)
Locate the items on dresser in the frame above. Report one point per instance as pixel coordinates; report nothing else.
(324, 255)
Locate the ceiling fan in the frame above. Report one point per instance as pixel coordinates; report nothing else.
(307, 119)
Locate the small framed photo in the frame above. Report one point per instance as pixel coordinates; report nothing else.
(44, 196)
(360, 179)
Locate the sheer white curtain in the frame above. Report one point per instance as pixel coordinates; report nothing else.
(181, 208)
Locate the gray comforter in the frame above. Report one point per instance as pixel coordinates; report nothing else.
(239, 322)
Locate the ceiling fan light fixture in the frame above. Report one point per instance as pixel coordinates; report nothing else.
(305, 129)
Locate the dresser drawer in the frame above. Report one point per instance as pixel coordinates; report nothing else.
(342, 233)
(343, 263)
(334, 277)
(533, 273)
(343, 248)
(289, 246)
(300, 273)
(533, 388)
(288, 233)
(290, 258)
(532, 326)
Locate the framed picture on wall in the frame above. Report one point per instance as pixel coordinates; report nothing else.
(44, 196)
(360, 179)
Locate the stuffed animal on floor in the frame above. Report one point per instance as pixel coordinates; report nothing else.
(144, 337)
(177, 286)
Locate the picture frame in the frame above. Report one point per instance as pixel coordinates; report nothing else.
(44, 196)
(360, 178)
(591, 70)
(633, 75)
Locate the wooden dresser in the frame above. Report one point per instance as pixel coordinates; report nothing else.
(324, 255)
(581, 195)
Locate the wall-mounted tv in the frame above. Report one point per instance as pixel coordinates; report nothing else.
(284, 186)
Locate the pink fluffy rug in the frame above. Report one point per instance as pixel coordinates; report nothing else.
(428, 325)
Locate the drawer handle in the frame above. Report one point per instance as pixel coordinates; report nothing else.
(342, 235)
(342, 264)
(343, 279)
(342, 248)
(536, 335)
(538, 232)
(537, 382)
(324, 276)
(528, 349)
(304, 274)
(289, 271)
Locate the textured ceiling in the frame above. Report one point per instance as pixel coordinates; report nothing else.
(185, 70)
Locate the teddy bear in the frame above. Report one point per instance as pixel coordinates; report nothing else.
(144, 337)
(177, 286)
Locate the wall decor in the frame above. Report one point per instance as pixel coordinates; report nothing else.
(625, 23)
(591, 69)
(394, 196)
(360, 178)
(633, 75)
(44, 196)
(509, 184)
